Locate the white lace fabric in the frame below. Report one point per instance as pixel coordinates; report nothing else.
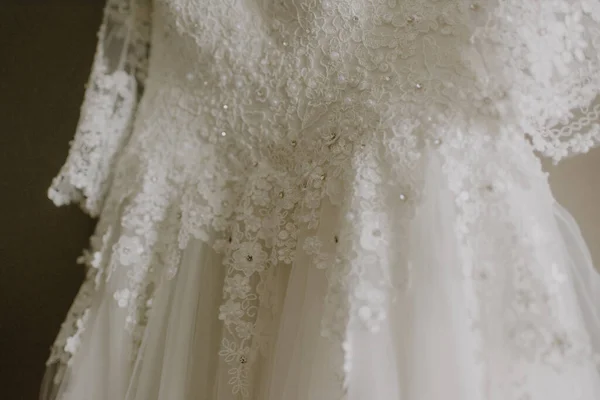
(260, 119)
(108, 110)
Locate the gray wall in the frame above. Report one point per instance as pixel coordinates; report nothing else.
(46, 49)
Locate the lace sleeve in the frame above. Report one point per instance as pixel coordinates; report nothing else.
(111, 97)
(548, 55)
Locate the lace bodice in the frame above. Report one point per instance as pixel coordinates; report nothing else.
(243, 122)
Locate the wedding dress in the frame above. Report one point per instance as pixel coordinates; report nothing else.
(333, 199)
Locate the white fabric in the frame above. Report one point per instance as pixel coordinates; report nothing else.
(314, 199)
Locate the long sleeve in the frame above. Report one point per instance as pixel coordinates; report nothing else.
(115, 85)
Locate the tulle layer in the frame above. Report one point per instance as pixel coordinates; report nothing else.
(443, 338)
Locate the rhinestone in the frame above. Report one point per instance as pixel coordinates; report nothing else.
(249, 257)
(411, 19)
(243, 360)
(474, 6)
(437, 142)
(285, 43)
(294, 143)
(402, 197)
(323, 177)
(281, 195)
(419, 86)
(355, 18)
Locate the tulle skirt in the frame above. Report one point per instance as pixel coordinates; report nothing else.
(427, 348)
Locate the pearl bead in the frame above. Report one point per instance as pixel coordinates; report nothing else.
(402, 197)
(223, 133)
(419, 86)
(225, 106)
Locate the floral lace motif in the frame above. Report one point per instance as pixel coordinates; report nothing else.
(261, 118)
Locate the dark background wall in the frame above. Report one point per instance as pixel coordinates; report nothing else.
(46, 49)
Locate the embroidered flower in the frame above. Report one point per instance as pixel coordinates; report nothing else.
(230, 312)
(237, 286)
(122, 297)
(244, 330)
(312, 245)
(129, 250)
(249, 258)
